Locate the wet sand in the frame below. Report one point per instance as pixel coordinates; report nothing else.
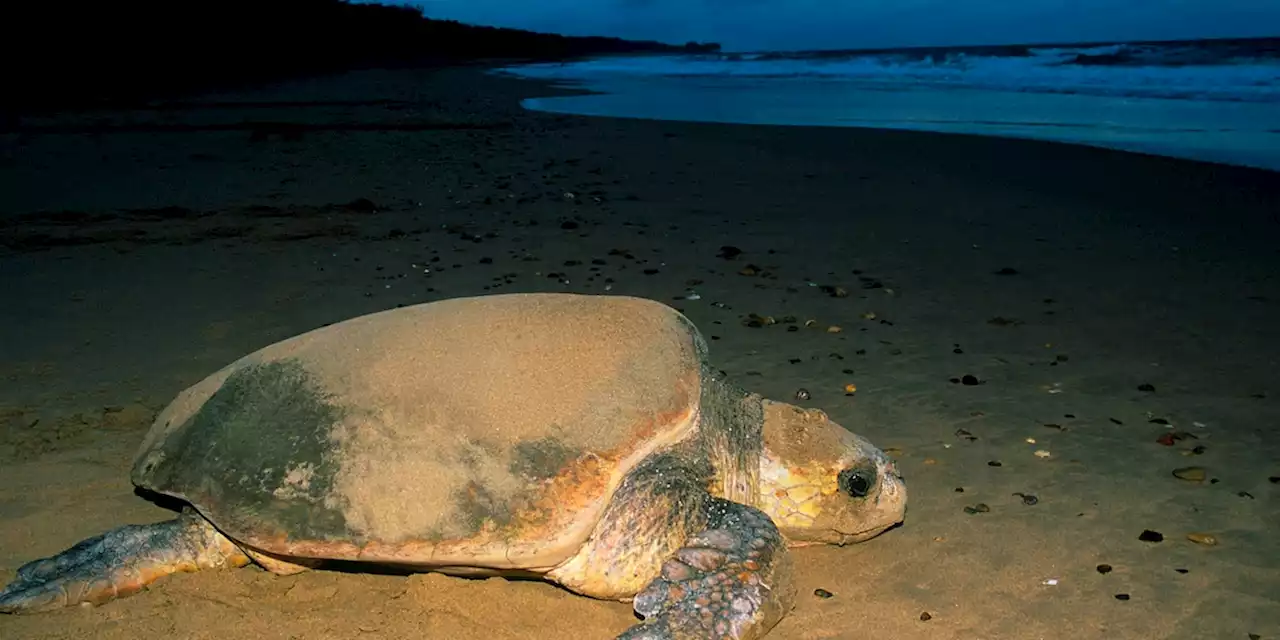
(1119, 316)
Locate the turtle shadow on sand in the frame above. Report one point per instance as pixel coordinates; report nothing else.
(580, 440)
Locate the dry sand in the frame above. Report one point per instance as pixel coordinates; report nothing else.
(142, 250)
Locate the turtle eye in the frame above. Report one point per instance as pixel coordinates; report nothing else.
(856, 482)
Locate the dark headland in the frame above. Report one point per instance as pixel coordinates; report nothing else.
(82, 54)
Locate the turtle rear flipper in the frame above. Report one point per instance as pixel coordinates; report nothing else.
(731, 581)
(118, 563)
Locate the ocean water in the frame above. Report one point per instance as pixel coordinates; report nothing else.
(1215, 100)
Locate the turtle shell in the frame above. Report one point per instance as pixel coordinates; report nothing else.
(484, 432)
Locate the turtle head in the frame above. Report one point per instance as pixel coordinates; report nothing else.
(822, 484)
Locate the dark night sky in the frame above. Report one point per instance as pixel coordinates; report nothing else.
(835, 24)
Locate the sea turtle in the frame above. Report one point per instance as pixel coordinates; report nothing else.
(580, 439)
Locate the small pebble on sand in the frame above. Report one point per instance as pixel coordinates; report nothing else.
(1203, 539)
(1173, 437)
(1190, 474)
(1148, 535)
(729, 252)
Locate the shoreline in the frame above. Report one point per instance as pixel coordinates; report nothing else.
(1063, 278)
(1212, 105)
(978, 148)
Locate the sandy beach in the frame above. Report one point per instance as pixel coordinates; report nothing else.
(1019, 319)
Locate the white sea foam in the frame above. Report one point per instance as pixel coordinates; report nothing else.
(1200, 101)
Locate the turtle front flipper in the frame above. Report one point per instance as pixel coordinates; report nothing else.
(730, 581)
(118, 563)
